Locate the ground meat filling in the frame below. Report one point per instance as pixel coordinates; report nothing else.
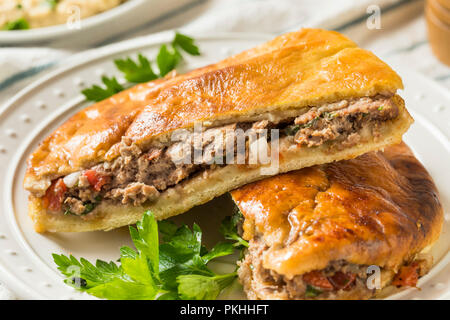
(343, 121)
(138, 176)
(339, 280)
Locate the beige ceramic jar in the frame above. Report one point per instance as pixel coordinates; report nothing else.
(437, 14)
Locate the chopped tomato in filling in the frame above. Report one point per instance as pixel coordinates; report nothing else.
(407, 276)
(96, 180)
(318, 280)
(54, 195)
(339, 280)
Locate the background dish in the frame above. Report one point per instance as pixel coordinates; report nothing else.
(26, 265)
(100, 27)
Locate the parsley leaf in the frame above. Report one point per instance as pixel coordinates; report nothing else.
(198, 287)
(97, 93)
(229, 228)
(19, 24)
(75, 270)
(145, 239)
(186, 43)
(176, 268)
(221, 249)
(137, 72)
(167, 60)
(140, 71)
(133, 279)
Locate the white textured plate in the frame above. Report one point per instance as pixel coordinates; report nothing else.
(26, 265)
(123, 17)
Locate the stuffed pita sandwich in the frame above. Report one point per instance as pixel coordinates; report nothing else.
(328, 100)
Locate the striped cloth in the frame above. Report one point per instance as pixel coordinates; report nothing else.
(402, 36)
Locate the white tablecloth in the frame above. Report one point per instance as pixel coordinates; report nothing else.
(402, 37)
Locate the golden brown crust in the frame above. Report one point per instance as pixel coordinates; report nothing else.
(379, 209)
(295, 70)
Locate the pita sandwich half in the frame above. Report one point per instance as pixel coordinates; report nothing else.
(313, 92)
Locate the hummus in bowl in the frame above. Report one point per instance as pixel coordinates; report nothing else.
(27, 14)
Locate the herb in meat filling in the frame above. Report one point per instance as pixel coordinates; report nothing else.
(138, 176)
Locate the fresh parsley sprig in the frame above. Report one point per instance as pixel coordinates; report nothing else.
(136, 72)
(97, 93)
(229, 229)
(140, 71)
(176, 268)
(186, 43)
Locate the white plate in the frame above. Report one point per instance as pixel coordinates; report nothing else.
(26, 265)
(123, 17)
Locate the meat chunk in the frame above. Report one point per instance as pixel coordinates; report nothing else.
(136, 193)
(320, 125)
(75, 206)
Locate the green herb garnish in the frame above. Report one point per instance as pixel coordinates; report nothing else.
(167, 59)
(380, 108)
(229, 229)
(198, 287)
(140, 71)
(97, 93)
(176, 268)
(19, 24)
(137, 72)
(312, 292)
(186, 43)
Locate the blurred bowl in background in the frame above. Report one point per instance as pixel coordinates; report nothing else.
(103, 26)
(437, 14)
